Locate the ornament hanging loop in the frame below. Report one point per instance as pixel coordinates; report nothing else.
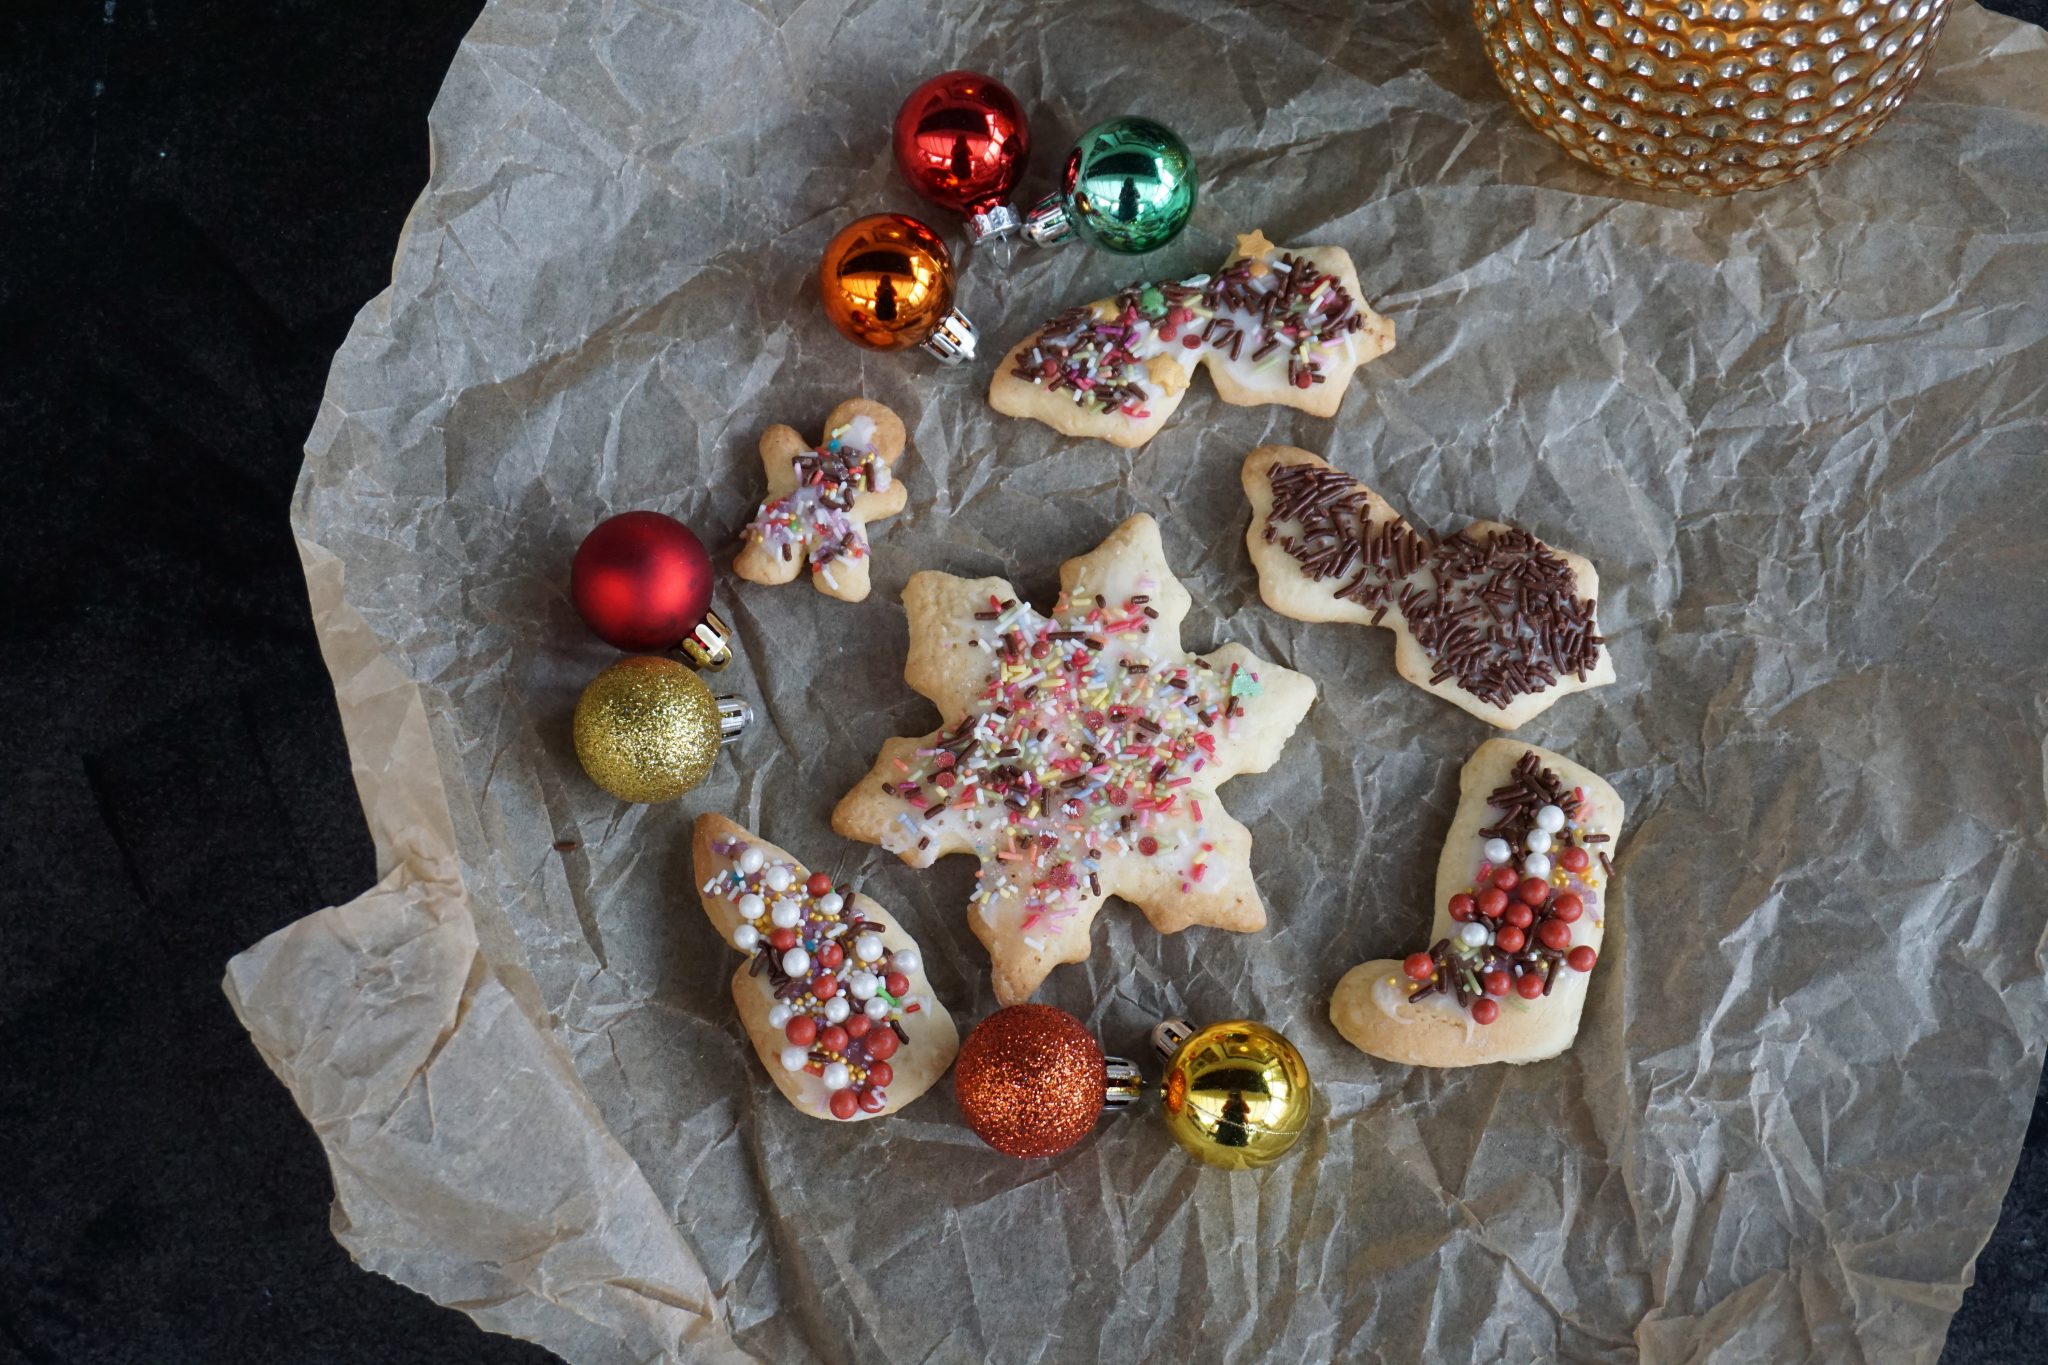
(709, 644)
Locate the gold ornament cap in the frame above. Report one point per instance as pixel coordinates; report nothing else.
(1236, 1094)
(647, 728)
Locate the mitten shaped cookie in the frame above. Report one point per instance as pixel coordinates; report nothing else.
(833, 992)
(1523, 891)
(1490, 619)
(1272, 326)
(1078, 756)
(821, 499)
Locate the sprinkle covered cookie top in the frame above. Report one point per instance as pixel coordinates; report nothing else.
(816, 519)
(1499, 618)
(841, 992)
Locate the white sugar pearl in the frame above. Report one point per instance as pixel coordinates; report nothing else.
(836, 1010)
(796, 962)
(1537, 842)
(746, 938)
(1473, 935)
(795, 1058)
(837, 1077)
(831, 902)
(1497, 851)
(862, 984)
(1549, 819)
(786, 915)
(779, 877)
(779, 1015)
(868, 947)
(751, 860)
(906, 960)
(877, 1009)
(1536, 865)
(908, 1001)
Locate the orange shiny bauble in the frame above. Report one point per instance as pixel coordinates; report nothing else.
(887, 282)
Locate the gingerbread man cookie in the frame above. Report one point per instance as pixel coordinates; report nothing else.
(821, 499)
(1523, 892)
(1078, 756)
(1490, 619)
(833, 993)
(1272, 326)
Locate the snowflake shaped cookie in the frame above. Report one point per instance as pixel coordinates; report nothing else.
(1078, 756)
(821, 499)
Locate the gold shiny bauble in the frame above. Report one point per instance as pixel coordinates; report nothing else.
(1237, 1095)
(1709, 96)
(887, 281)
(647, 729)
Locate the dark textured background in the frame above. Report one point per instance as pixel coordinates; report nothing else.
(194, 200)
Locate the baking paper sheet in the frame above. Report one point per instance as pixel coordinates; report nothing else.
(1801, 433)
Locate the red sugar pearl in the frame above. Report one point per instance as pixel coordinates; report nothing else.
(1510, 939)
(1554, 935)
(844, 1104)
(1505, 878)
(897, 984)
(858, 1026)
(819, 884)
(824, 987)
(1496, 982)
(1419, 966)
(1520, 915)
(1533, 890)
(783, 939)
(833, 1039)
(1574, 859)
(1484, 1011)
(880, 1073)
(872, 1101)
(1148, 846)
(1581, 958)
(1529, 985)
(830, 956)
(1463, 907)
(801, 1029)
(1569, 907)
(1492, 901)
(882, 1044)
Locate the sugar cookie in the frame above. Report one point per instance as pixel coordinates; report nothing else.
(1523, 891)
(1078, 756)
(821, 499)
(833, 993)
(1490, 619)
(1272, 326)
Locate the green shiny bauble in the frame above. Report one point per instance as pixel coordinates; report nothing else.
(1128, 186)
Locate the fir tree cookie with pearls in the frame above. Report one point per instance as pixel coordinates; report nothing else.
(1524, 887)
(1271, 326)
(821, 499)
(1489, 619)
(833, 992)
(1078, 756)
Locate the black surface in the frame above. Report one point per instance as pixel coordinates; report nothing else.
(194, 200)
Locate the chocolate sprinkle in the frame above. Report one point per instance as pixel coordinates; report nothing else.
(1500, 618)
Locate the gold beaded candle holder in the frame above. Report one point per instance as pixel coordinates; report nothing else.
(1708, 96)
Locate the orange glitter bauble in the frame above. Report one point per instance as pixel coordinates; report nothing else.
(1030, 1081)
(887, 281)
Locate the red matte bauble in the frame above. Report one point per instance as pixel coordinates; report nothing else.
(961, 141)
(641, 581)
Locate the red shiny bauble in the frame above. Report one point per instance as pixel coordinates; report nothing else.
(961, 141)
(641, 581)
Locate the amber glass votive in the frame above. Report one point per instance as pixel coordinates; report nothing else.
(1710, 96)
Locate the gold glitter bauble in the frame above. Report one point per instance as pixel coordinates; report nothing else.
(647, 729)
(1237, 1095)
(1709, 96)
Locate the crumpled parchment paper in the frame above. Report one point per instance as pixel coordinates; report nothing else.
(1801, 433)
